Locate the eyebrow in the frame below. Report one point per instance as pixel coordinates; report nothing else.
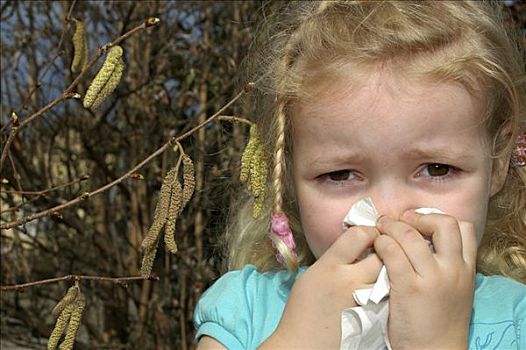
(329, 160)
(437, 153)
(441, 154)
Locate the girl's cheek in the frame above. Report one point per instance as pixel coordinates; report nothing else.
(321, 236)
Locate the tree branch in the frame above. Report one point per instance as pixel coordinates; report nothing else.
(152, 156)
(231, 118)
(119, 280)
(69, 93)
(58, 53)
(51, 189)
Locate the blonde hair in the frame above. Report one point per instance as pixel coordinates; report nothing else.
(463, 41)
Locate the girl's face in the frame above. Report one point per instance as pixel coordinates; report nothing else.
(404, 143)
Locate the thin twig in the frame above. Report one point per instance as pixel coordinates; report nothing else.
(69, 93)
(38, 84)
(38, 194)
(51, 189)
(17, 208)
(58, 53)
(16, 129)
(231, 118)
(119, 280)
(104, 188)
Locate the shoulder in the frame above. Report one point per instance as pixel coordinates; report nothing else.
(501, 291)
(249, 282)
(243, 307)
(499, 314)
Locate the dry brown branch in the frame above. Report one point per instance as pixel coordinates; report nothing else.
(51, 189)
(57, 54)
(69, 93)
(231, 118)
(118, 280)
(164, 94)
(172, 141)
(38, 194)
(38, 84)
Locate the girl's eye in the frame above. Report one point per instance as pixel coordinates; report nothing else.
(437, 170)
(340, 175)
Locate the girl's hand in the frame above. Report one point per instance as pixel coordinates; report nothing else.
(312, 316)
(431, 292)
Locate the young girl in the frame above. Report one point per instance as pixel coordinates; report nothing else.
(413, 104)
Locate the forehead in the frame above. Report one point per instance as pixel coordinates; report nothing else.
(370, 88)
(390, 106)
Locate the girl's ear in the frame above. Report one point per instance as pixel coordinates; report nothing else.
(499, 173)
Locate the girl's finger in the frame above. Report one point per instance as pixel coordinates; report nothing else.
(396, 262)
(469, 243)
(443, 230)
(351, 244)
(368, 269)
(413, 245)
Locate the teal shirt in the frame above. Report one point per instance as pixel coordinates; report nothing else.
(243, 308)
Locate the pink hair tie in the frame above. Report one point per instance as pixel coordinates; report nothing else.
(518, 157)
(281, 229)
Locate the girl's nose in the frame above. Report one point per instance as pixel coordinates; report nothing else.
(393, 200)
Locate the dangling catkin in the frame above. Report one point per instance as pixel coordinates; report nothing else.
(179, 199)
(74, 323)
(173, 213)
(147, 261)
(60, 325)
(80, 47)
(112, 83)
(106, 79)
(161, 212)
(69, 310)
(248, 153)
(188, 180)
(254, 170)
(172, 200)
(66, 300)
(258, 179)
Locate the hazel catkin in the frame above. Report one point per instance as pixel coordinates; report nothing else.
(161, 212)
(106, 79)
(172, 200)
(80, 47)
(188, 180)
(254, 170)
(111, 84)
(60, 325)
(74, 323)
(258, 179)
(69, 310)
(147, 261)
(166, 201)
(70, 296)
(173, 213)
(248, 153)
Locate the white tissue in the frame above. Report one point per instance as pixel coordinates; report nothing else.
(362, 213)
(364, 327)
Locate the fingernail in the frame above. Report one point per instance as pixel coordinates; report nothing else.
(408, 214)
(382, 220)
